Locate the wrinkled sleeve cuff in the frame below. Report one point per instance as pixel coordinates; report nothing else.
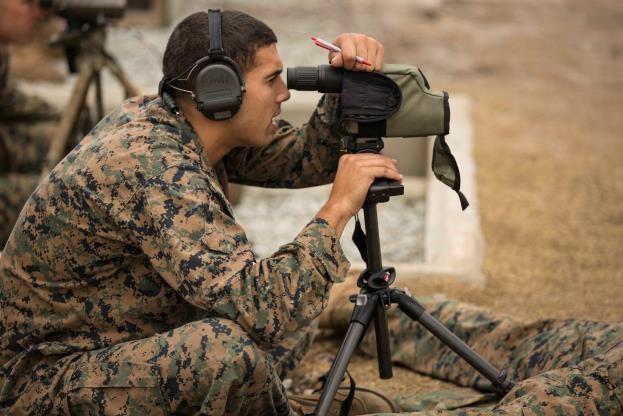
(320, 238)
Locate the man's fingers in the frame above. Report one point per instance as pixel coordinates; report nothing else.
(379, 53)
(372, 54)
(369, 159)
(385, 172)
(335, 59)
(361, 44)
(373, 165)
(349, 51)
(356, 44)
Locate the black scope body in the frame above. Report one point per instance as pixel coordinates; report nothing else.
(86, 10)
(322, 78)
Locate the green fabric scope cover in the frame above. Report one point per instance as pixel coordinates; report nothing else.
(398, 102)
(400, 95)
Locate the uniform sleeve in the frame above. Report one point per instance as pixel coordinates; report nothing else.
(202, 253)
(298, 157)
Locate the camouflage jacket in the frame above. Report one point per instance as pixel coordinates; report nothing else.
(132, 235)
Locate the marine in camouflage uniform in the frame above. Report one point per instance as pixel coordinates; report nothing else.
(127, 287)
(26, 129)
(127, 282)
(563, 367)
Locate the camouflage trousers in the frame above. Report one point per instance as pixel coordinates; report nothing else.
(212, 366)
(207, 367)
(23, 148)
(563, 367)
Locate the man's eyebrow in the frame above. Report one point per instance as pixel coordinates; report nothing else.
(276, 72)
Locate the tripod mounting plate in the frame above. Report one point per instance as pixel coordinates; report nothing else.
(383, 189)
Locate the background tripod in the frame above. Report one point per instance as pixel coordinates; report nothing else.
(377, 295)
(84, 45)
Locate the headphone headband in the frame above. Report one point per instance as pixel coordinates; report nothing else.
(214, 24)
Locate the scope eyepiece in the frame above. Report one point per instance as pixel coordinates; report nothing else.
(323, 78)
(86, 10)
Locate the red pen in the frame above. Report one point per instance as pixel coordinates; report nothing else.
(331, 47)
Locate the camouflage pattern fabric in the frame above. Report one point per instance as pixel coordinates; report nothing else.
(207, 367)
(26, 129)
(564, 367)
(127, 271)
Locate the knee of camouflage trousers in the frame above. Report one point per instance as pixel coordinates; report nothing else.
(207, 367)
(592, 387)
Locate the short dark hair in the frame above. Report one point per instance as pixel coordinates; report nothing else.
(241, 36)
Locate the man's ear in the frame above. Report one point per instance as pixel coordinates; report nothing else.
(185, 103)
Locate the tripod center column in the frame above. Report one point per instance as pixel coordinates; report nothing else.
(373, 243)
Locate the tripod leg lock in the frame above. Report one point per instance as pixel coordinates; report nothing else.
(385, 298)
(365, 305)
(416, 310)
(503, 384)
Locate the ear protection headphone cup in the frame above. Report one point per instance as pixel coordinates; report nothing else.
(218, 88)
(215, 82)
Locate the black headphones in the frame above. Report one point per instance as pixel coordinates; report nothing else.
(218, 85)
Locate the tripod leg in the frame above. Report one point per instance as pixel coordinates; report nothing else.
(129, 88)
(383, 349)
(69, 118)
(362, 315)
(374, 263)
(416, 311)
(99, 99)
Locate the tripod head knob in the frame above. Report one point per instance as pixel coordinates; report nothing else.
(377, 280)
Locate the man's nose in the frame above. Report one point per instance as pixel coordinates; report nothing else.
(284, 94)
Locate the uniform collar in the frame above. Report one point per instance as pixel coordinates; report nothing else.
(189, 138)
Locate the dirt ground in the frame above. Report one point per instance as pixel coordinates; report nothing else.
(545, 78)
(546, 83)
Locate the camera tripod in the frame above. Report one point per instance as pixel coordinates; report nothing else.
(377, 295)
(86, 55)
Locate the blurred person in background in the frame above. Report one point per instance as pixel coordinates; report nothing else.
(26, 122)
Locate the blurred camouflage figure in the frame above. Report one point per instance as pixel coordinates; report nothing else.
(564, 367)
(127, 287)
(26, 122)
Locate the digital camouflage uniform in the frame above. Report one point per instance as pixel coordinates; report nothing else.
(26, 129)
(127, 283)
(564, 367)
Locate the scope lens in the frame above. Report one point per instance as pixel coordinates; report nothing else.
(323, 78)
(303, 78)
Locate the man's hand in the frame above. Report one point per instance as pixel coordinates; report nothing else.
(353, 44)
(355, 174)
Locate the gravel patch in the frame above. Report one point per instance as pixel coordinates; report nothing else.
(272, 217)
